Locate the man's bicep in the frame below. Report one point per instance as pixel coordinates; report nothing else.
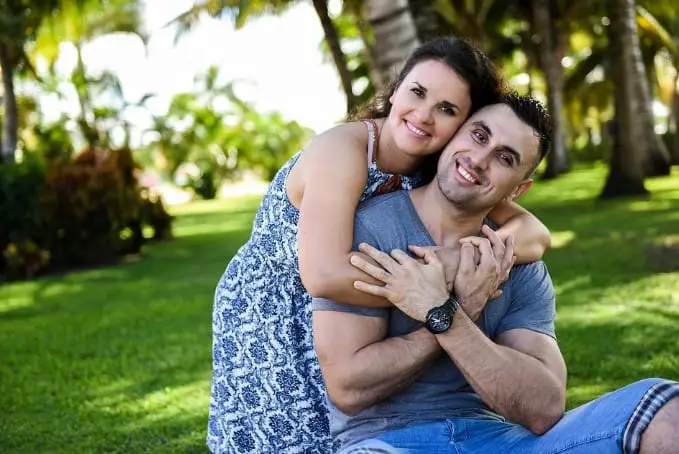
(339, 334)
(540, 346)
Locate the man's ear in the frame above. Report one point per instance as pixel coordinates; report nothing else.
(521, 189)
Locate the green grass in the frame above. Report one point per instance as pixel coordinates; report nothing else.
(118, 359)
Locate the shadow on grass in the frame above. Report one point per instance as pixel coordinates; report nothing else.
(116, 360)
(617, 313)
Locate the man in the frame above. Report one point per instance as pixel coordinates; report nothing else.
(447, 372)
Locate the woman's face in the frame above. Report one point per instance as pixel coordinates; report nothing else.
(428, 108)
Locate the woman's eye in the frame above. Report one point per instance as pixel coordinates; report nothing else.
(418, 92)
(448, 110)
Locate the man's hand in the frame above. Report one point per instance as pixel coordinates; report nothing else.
(484, 265)
(411, 286)
(449, 258)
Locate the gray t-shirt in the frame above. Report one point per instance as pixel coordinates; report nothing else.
(389, 222)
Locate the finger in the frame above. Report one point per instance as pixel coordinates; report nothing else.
(475, 240)
(428, 255)
(508, 257)
(487, 258)
(495, 241)
(496, 294)
(402, 258)
(384, 260)
(372, 270)
(372, 289)
(467, 259)
(431, 248)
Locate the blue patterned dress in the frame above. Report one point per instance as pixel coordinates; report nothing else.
(267, 388)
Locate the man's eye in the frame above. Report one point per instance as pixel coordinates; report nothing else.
(506, 158)
(479, 136)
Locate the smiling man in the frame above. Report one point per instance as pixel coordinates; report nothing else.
(451, 372)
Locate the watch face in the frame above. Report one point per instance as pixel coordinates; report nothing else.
(439, 320)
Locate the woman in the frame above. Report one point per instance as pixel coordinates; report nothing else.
(267, 393)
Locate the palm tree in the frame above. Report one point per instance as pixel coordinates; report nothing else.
(551, 45)
(80, 22)
(395, 35)
(19, 22)
(110, 83)
(243, 10)
(626, 173)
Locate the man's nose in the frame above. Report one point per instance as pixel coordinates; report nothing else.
(481, 157)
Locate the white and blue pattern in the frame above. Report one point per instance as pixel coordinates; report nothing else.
(267, 389)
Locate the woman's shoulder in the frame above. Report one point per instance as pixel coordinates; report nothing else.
(343, 143)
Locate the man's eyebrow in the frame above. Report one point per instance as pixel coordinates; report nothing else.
(513, 152)
(508, 149)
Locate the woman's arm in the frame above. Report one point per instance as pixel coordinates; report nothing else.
(531, 237)
(334, 172)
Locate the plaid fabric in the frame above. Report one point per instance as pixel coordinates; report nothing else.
(656, 396)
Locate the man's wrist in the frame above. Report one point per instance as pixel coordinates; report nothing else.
(440, 318)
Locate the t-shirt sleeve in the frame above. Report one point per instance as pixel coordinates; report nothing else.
(362, 234)
(532, 300)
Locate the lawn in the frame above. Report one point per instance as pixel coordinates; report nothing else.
(118, 359)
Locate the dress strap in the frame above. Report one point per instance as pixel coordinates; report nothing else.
(373, 138)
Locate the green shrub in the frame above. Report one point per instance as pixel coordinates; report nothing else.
(74, 212)
(21, 219)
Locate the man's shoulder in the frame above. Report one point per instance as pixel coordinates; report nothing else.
(388, 222)
(531, 277)
(383, 204)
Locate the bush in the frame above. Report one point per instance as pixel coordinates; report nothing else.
(72, 213)
(21, 220)
(204, 185)
(156, 216)
(24, 259)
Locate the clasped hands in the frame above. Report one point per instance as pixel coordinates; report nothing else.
(474, 271)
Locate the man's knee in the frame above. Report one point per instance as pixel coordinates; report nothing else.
(662, 436)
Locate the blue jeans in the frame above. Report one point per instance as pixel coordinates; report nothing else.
(612, 423)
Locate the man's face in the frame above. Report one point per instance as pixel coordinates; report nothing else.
(488, 159)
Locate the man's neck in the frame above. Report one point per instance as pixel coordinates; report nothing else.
(445, 222)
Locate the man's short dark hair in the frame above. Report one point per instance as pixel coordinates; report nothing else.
(534, 114)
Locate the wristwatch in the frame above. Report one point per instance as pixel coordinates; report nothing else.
(440, 319)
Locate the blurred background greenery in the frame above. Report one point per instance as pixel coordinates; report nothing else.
(94, 173)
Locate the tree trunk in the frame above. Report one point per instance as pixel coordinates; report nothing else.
(626, 173)
(369, 44)
(86, 122)
(675, 114)
(395, 35)
(10, 133)
(333, 40)
(551, 53)
(657, 158)
(428, 22)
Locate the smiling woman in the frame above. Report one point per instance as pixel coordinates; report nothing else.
(302, 238)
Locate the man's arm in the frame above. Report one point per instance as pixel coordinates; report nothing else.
(360, 366)
(522, 377)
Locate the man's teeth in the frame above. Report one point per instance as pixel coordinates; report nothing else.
(466, 175)
(417, 131)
